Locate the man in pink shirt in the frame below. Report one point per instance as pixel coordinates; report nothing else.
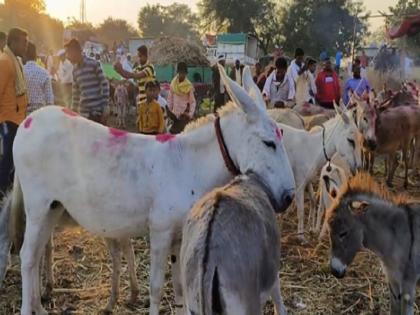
(181, 100)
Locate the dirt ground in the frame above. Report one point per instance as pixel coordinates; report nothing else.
(82, 273)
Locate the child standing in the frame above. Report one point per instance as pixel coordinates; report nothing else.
(121, 103)
(150, 117)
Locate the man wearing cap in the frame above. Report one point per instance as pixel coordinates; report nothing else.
(218, 86)
(90, 87)
(13, 100)
(143, 73)
(65, 77)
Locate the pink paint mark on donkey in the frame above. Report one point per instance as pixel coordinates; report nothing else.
(69, 112)
(165, 137)
(117, 133)
(279, 133)
(27, 122)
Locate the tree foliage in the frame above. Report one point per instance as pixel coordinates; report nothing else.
(318, 25)
(257, 17)
(115, 30)
(45, 31)
(36, 5)
(173, 20)
(399, 11)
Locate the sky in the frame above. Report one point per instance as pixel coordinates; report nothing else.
(97, 11)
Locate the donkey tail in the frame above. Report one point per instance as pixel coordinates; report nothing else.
(17, 216)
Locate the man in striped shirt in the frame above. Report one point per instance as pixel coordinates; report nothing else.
(90, 87)
(143, 73)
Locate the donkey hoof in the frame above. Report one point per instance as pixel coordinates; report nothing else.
(302, 240)
(390, 184)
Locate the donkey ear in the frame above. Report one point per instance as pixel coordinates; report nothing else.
(359, 206)
(239, 96)
(251, 88)
(339, 112)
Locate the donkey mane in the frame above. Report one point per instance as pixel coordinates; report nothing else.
(223, 111)
(364, 183)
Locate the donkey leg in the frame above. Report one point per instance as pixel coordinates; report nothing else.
(49, 276)
(300, 204)
(392, 166)
(176, 277)
(160, 243)
(115, 251)
(312, 204)
(37, 234)
(320, 211)
(406, 165)
(279, 307)
(129, 256)
(408, 297)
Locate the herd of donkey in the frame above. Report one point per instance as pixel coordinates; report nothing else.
(209, 196)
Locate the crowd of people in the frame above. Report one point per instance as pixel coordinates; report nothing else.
(281, 83)
(28, 83)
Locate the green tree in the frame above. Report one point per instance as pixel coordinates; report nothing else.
(173, 20)
(46, 33)
(399, 12)
(317, 25)
(257, 17)
(113, 30)
(36, 5)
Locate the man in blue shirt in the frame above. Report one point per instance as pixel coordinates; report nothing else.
(357, 84)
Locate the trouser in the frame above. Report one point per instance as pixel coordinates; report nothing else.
(7, 132)
(219, 101)
(67, 91)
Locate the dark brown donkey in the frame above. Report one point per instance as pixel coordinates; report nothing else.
(367, 215)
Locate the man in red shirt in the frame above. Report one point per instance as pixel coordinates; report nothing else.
(328, 86)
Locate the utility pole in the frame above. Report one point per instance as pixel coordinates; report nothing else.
(82, 11)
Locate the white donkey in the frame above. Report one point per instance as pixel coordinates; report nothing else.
(309, 151)
(119, 185)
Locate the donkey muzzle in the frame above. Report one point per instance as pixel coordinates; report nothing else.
(286, 200)
(370, 144)
(338, 269)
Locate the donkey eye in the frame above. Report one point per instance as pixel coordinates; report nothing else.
(270, 144)
(343, 234)
(365, 119)
(352, 143)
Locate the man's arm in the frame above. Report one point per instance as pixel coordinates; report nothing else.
(4, 76)
(76, 95)
(129, 75)
(103, 82)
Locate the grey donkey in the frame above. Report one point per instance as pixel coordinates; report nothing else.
(230, 254)
(367, 215)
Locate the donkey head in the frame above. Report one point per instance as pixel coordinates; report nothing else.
(347, 140)
(333, 177)
(254, 141)
(346, 234)
(365, 117)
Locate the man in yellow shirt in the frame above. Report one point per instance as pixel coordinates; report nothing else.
(150, 116)
(13, 100)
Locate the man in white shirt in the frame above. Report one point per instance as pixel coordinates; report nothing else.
(279, 89)
(295, 68)
(65, 77)
(236, 73)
